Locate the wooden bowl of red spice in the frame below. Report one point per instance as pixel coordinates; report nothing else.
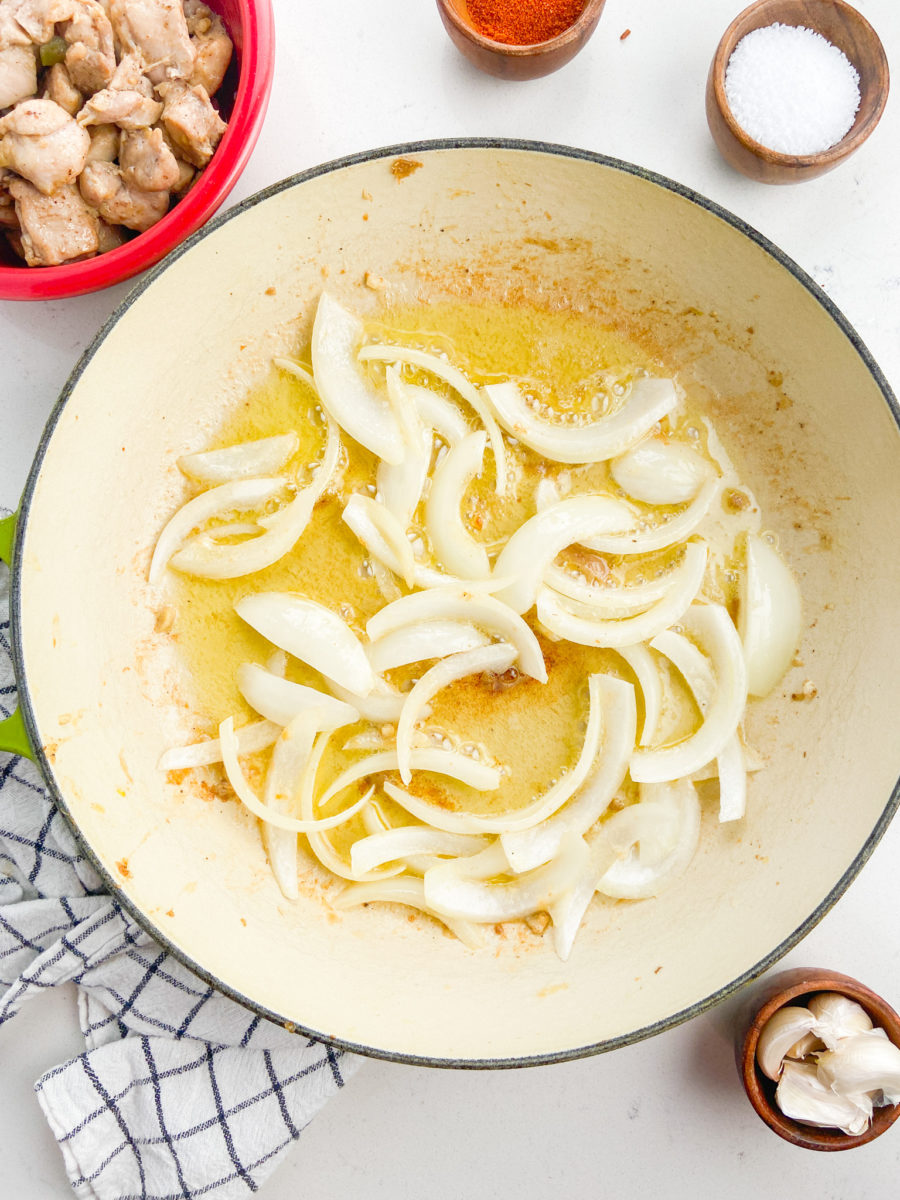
(519, 39)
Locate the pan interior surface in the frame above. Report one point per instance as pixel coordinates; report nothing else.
(802, 414)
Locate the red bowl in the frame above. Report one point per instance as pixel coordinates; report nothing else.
(244, 97)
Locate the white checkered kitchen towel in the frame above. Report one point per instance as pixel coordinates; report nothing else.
(181, 1092)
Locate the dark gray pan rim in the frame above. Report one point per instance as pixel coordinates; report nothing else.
(415, 148)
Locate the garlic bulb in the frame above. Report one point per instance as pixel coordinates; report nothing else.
(783, 1029)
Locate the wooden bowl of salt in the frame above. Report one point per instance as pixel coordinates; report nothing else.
(795, 87)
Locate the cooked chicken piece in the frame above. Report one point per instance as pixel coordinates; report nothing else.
(158, 29)
(212, 45)
(41, 142)
(191, 121)
(38, 17)
(128, 110)
(104, 143)
(111, 236)
(130, 76)
(147, 162)
(18, 74)
(186, 173)
(8, 218)
(59, 88)
(91, 56)
(54, 229)
(14, 241)
(117, 202)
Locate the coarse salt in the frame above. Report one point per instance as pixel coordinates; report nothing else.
(791, 90)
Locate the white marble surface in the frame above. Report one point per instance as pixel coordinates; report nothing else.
(666, 1117)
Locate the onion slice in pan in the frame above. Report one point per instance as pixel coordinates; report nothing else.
(498, 657)
(343, 389)
(606, 600)
(640, 875)
(439, 414)
(312, 633)
(666, 533)
(453, 892)
(411, 892)
(459, 603)
(458, 766)
(251, 738)
(250, 800)
(529, 848)
(400, 485)
(769, 615)
(714, 630)
(381, 534)
(535, 544)
(394, 845)
(239, 495)
(262, 456)
(280, 699)
(567, 911)
(423, 640)
(458, 381)
(643, 664)
(685, 581)
(649, 400)
(453, 545)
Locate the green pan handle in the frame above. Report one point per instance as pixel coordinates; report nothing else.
(13, 738)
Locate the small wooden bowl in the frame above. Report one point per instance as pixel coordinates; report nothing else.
(794, 986)
(512, 61)
(845, 28)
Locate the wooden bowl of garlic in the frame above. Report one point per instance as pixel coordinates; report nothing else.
(819, 1059)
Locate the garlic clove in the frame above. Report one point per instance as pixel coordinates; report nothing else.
(810, 1043)
(782, 1031)
(802, 1096)
(862, 1062)
(837, 1017)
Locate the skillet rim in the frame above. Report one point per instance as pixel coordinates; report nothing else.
(403, 149)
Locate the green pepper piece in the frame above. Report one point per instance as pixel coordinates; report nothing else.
(53, 51)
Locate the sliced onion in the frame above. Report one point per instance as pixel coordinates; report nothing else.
(263, 456)
(469, 604)
(458, 381)
(453, 545)
(400, 485)
(297, 370)
(205, 556)
(712, 627)
(498, 657)
(555, 613)
(423, 640)
(634, 878)
(343, 389)
(439, 414)
(567, 911)
(643, 664)
(381, 534)
(535, 544)
(252, 738)
(404, 408)
(250, 800)
(453, 892)
(380, 707)
(411, 892)
(769, 615)
(289, 758)
(604, 600)
(238, 495)
(660, 472)
(281, 700)
(529, 848)
(312, 633)
(648, 402)
(457, 766)
(393, 845)
(665, 534)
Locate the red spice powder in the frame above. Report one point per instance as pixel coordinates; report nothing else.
(523, 22)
